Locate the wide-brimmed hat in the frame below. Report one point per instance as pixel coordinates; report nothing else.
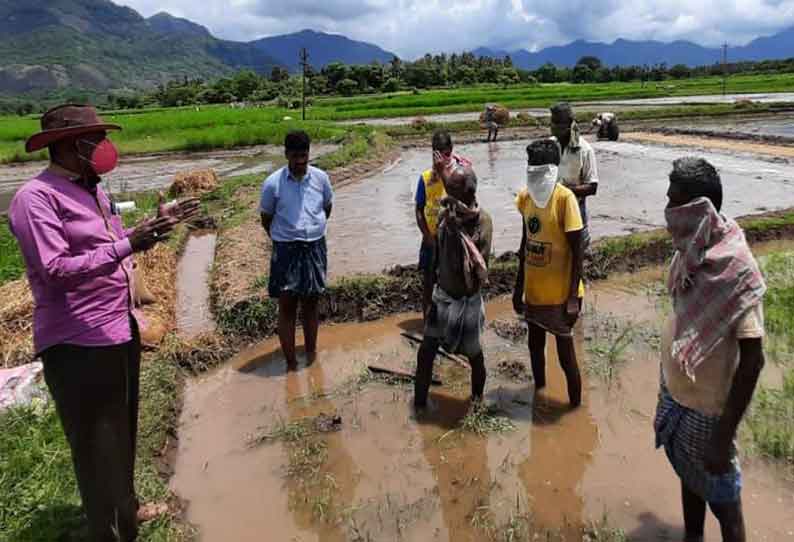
(64, 121)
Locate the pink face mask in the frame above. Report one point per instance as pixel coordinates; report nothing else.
(104, 158)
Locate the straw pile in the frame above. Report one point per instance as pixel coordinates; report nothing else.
(501, 115)
(194, 183)
(16, 324)
(16, 307)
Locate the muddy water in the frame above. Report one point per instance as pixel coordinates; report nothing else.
(141, 173)
(780, 126)
(594, 107)
(374, 226)
(387, 476)
(193, 315)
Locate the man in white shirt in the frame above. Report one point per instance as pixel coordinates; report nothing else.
(578, 169)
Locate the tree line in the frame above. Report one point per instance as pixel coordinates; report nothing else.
(431, 71)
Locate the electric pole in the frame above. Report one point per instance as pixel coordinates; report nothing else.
(724, 65)
(304, 56)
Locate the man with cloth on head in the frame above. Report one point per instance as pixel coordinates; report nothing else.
(460, 269)
(711, 349)
(295, 206)
(78, 259)
(549, 290)
(578, 169)
(429, 193)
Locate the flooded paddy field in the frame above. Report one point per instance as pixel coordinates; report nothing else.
(594, 107)
(374, 226)
(331, 453)
(778, 126)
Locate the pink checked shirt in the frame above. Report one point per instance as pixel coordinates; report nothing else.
(78, 262)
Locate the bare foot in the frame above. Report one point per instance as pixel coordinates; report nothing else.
(151, 511)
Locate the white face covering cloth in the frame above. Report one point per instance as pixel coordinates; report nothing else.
(541, 181)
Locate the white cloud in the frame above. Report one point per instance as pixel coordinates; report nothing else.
(412, 27)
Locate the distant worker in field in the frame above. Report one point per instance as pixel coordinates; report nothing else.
(295, 206)
(429, 193)
(711, 355)
(460, 269)
(578, 169)
(607, 126)
(490, 122)
(85, 328)
(548, 290)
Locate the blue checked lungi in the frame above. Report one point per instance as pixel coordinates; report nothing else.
(685, 433)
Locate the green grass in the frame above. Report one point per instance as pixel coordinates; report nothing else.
(12, 265)
(770, 421)
(214, 127)
(180, 130)
(38, 493)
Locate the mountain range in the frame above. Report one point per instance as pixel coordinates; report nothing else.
(637, 53)
(55, 46)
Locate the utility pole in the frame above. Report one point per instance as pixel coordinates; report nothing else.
(724, 65)
(304, 56)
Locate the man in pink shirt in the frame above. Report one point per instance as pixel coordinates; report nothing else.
(77, 255)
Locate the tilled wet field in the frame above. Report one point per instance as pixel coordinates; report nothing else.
(374, 226)
(329, 453)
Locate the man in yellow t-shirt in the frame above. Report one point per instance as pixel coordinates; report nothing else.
(549, 290)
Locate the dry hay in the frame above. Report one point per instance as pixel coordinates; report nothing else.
(16, 306)
(242, 256)
(16, 323)
(158, 267)
(194, 183)
(501, 115)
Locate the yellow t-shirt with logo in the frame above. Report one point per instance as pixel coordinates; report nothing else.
(548, 259)
(434, 193)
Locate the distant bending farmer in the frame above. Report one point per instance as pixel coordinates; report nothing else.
(578, 169)
(457, 314)
(490, 122)
(295, 206)
(548, 289)
(607, 125)
(78, 260)
(711, 349)
(429, 193)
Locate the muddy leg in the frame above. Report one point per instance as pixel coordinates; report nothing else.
(477, 376)
(537, 355)
(311, 324)
(424, 370)
(567, 355)
(731, 520)
(287, 316)
(427, 292)
(694, 515)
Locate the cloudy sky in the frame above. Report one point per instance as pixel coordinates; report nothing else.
(412, 27)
